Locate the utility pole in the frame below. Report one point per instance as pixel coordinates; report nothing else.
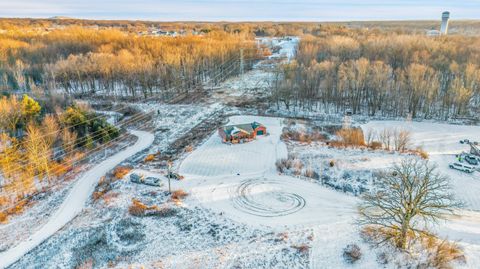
(242, 62)
(169, 175)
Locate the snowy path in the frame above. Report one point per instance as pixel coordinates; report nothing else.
(75, 200)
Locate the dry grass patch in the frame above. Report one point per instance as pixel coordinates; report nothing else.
(431, 252)
(178, 195)
(441, 253)
(121, 171)
(304, 249)
(303, 136)
(3, 218)
(349, 137)
(375, 145)
(149, 158)
(138, 208)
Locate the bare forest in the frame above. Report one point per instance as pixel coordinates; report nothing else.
(380, 73)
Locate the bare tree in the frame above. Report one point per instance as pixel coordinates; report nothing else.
(411, 196)
(401, 139)
(386, 138)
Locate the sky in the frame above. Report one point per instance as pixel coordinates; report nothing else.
(242, 10)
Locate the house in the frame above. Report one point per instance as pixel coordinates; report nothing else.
(241, 132)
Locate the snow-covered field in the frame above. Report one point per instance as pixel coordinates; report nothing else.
(442, 142)
(241, 181)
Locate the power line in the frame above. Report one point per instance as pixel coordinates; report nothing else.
(231, 68)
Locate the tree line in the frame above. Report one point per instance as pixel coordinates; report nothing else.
(37, 146)
(383, 74)
(83, 61)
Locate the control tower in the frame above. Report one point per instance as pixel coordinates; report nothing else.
(444, 27)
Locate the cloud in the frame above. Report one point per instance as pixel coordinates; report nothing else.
(238, 10)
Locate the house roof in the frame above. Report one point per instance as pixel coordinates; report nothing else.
(247, 128)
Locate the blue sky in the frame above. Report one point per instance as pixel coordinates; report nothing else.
(242, 10)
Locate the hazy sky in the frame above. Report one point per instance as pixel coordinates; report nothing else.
(241, 10)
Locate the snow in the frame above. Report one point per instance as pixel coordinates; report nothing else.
(215, 158)
(441, 141)
(259, 197)
(75, 200)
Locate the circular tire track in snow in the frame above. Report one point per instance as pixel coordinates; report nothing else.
(266, 198)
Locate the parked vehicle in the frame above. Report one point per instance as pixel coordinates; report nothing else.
(174, 176)
(462, 167)
(140, 179)
(153, 181)
(471, 160)
(136, 178)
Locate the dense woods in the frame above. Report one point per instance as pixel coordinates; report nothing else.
(37, 146)
(80, 61)
(383, 74)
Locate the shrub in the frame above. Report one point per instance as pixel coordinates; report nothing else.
(375, 145)
(422, 153)
(304, 136)
(137, 208)
(351, 137)
(441, 252)
(149, 158)
(280, 164)
(121, 171)
(179, 195)
(302, 248)
(352, 253)
(3, 217)
(309, 172)
(332, 163)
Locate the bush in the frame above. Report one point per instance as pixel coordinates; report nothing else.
(441, 253)
(302, 248)
(179, 195)
(137, 208)
(149, 158)
(351, 137)
(375, 145)
(422, 153)
(352, 253)
(309, 172)
(332, 163)
(304, 136)
(281, 165)
(3, 217)
(121, 171)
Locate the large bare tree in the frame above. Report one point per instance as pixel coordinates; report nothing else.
(412, 196)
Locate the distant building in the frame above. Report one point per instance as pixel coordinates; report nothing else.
(444, 26)
(433, 33)
(241, 132)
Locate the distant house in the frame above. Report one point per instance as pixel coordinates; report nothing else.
(241, 132)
